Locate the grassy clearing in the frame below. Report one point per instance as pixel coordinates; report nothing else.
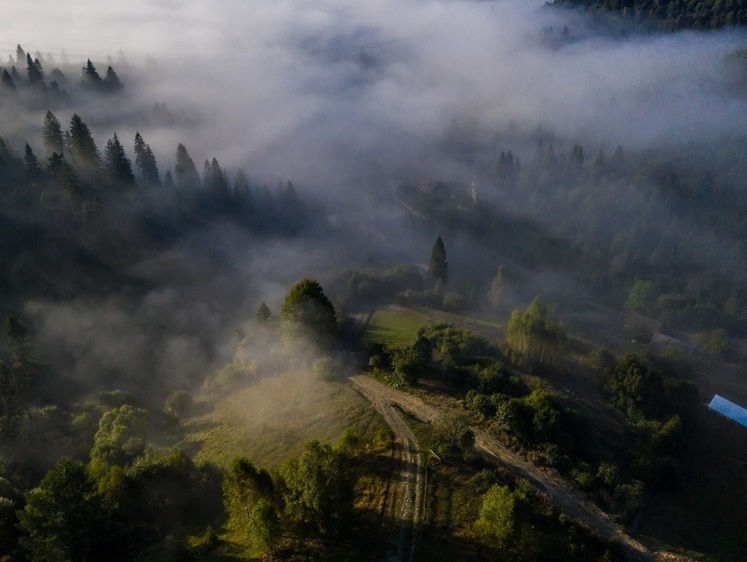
(394, 326)
(271, 420)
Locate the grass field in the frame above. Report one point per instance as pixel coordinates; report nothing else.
(271, 419)
(395, 326)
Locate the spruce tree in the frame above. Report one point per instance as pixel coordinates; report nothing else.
(34, 72)
(83, 152)
(185, 171)
(145, 161)
(7, 81)
(111, 81)
(52, 134)
(438, 267)
(91, 78)
(31, 163)
(117, 165)
(20, 55)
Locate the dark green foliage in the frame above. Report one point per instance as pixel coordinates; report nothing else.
(179, 404)
(64, 517)
(117, 165)
(119, 439)
(532, 337)
(249, 501)
(438, 266)
(671, 14)
(317, 489)
(636, 390)
(307, 310)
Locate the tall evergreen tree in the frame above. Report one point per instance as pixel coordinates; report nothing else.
(52, 134)
(111, 81)
(7, 81)
(117, 165)
(34, 72)
(185, 171)
(145, 161)
(31, 163)
(91, 78)
(20, 55)
(438, 267)
(83, 152)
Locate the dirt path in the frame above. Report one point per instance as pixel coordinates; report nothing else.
(563, 496)
(403, 500)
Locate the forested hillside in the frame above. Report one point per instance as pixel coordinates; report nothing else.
(671, 14)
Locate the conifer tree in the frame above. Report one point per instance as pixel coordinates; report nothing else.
(31, 162)
(168, 180)
(34, 72)
(52, 134)
(7, 81)
(145, 161)
(438, 267)
(185, 170)
(117, 165)
(111, 81)
(20, 55)
(83, 152)
(91, 78)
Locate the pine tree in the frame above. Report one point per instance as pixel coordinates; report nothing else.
(168, 180)
(91, 78)
(31, 163)
(263, 313)
(34, 72)
(83, 152)
(20, 55)
(184, 169)
(7, 81)
(438, 267)
(52, 134)
(117, 165)
(111, 81)
(145, 161)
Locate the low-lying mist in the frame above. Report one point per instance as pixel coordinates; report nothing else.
(347, 100)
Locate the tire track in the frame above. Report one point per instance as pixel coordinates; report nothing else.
(562, 495)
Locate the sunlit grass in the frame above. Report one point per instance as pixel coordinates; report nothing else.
(394, 326)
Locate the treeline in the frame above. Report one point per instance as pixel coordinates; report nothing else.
(671, 15)
(25, 80)
(614, 221)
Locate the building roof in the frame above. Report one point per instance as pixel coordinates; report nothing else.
(729, 409)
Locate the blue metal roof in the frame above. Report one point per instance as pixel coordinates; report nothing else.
(729, 409)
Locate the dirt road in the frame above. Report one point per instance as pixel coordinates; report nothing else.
(563, 496)
(403, 500)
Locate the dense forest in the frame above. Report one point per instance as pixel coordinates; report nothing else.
(182, 345)
(671, 15)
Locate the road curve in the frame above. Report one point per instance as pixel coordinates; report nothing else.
(568, 500)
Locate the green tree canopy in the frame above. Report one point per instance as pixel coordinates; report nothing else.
(306, 309)
(636, 390)
(531, 335)
(64, 518)
(318, 489)
(497, 519)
